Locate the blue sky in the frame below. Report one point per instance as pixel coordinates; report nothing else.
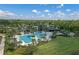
(39, 11)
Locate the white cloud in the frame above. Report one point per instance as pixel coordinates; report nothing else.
(35, 11)
(68, 10)
(42, 15)
(6, 13)
(49, 14)
(72, 15)
(46, 10)
(60, 13)
(75, 14)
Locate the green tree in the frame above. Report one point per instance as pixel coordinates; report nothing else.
(25, 50)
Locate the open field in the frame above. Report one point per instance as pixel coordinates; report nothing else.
(59, 46)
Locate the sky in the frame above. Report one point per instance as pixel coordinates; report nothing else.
(39, 11)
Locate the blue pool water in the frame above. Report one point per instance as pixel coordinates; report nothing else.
(28, 38)
(39, 34)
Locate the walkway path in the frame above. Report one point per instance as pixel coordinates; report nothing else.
(2, 44)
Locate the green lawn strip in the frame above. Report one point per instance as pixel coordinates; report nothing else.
(59, 45)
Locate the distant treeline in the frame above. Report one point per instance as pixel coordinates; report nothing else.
(70, 25)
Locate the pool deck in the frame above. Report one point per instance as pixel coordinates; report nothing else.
(37, 36)
(2, 45)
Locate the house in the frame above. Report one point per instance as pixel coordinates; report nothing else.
(24, 28)
(35, 28)
(52, 28)
(40, 28)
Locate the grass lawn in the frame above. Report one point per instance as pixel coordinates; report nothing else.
(59, 46)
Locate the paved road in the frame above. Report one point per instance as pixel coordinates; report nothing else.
(2, 45)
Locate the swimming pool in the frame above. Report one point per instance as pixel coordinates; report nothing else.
(26, 38)
(39, 34)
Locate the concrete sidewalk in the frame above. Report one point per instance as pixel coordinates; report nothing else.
(2, 44)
